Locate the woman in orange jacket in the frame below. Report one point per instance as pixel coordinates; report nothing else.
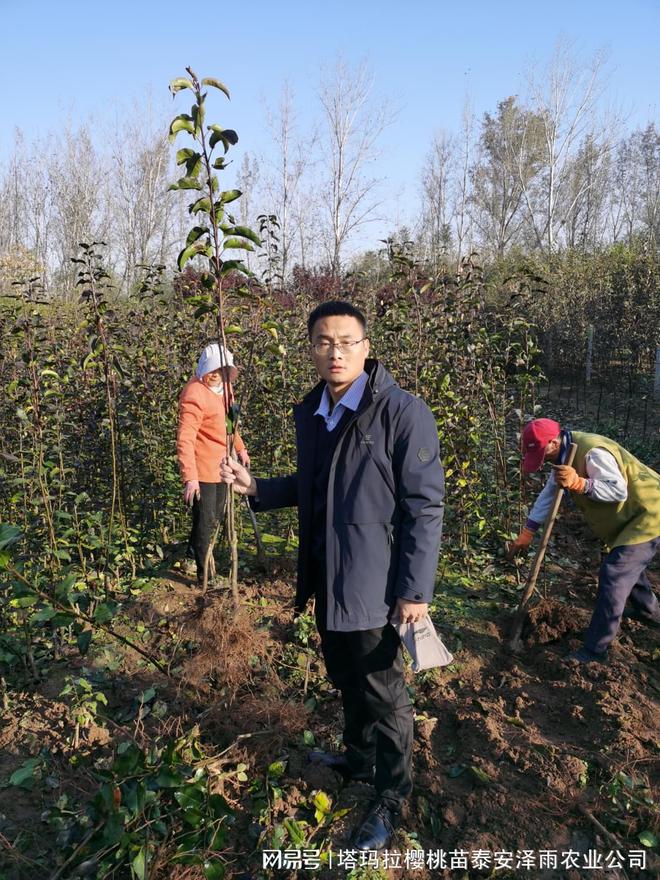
(201, 444)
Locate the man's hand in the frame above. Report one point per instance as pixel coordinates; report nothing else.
(567, 477)
(190, 492)
(520, 544)
(409, 612)
(244, 458)
(235, 475)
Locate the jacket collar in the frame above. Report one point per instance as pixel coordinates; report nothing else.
(379, 380)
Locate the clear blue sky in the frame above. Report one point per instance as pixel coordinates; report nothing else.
(64, 58)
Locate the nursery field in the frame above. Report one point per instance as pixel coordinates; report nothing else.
(154, 730)
(514, 755)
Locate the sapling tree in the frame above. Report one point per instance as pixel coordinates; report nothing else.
(103, 359)
(214, 237)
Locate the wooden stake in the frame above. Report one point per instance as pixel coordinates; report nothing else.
(515, 643)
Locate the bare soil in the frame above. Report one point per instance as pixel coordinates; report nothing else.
(512, 753)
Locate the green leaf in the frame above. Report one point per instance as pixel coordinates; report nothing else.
(245, 232)
(24, 601)
(198, 113)
(230, 195)
(200, 311)
(186, 183)
(24, 776)
(233, 329)
(190, 797)
(308, 738)
(278, 837)
(227, 135)
(216, 84)
(234, 266)
(648, 838)
(237, 244)
(192, 251)
(64, 588)
(84, 640)
(276, 769)
(192, 817)
(179, 84)
(139, 864)
(44, 614)
(105, 611)
(202, 204)
(9, 535)
(322, 802)
(186, 153)
(214, 870)
(195, 233)
(296, 832)
(193, 167)
(181, 123)
(480, 775)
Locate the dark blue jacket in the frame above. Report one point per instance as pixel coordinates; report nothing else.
(384, 506)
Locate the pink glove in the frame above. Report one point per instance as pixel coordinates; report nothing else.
(190, 492)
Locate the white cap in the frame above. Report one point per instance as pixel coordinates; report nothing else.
(215, 357)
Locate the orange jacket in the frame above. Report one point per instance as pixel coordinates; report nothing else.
(201, 440)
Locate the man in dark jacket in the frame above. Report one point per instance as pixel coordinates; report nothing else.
(369, 490)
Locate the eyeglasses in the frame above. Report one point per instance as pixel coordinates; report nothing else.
(342, 347)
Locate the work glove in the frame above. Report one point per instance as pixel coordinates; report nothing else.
(567, 477)
(520, 544)
(190, 492)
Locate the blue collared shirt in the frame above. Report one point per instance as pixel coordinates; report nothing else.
(350, 400)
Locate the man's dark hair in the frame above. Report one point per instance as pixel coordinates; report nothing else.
(335, 307)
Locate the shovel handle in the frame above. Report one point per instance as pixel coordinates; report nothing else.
(540, 553)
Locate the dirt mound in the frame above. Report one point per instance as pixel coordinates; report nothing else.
(551, 620)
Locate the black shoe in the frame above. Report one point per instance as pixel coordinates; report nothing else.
(584, 655)
(339, 763)
(643, 616)
(377, 829)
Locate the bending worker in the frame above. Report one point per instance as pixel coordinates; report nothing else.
(369, 490)
(620, 499)
(201, 444)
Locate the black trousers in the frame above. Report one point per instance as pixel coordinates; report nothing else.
(207, 511)
(366, 666)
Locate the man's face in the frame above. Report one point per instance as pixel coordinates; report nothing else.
(339, 368)
(552, 450)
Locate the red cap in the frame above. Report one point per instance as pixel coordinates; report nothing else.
(535, 437)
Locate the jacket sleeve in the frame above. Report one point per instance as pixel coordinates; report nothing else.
(276, 492)
(420, 489)
(239, 446)
(543, 504)
(190, 419)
